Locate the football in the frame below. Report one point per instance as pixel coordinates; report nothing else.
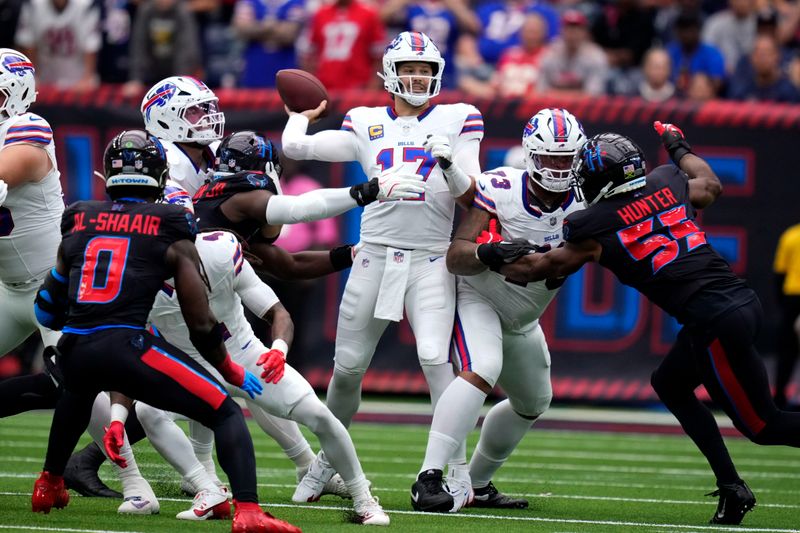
(300, 90)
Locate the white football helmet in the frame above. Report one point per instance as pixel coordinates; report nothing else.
(411, 46)
(183, 109)
(17, 83)
(550, 140)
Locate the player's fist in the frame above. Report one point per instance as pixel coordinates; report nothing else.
(673, 139)
(113, 441)
(490, 235)
(273, 362)
(439, 147)
(3, 192)
(399, 186)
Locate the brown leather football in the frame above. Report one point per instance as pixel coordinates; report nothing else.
(300, 90)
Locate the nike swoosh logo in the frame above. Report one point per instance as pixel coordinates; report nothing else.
(139, 504)
(415, 496)
(198, 513)
(34, 119)
(482, 186)
(432, 259)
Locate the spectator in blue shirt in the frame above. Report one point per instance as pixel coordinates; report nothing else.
(765, 80)
(444, 21)
(501, 22)
(270, 29)
(689, 56)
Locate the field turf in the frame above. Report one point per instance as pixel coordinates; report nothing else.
(576, 482)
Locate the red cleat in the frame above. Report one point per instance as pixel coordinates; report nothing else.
(250, 518)
(49, 492)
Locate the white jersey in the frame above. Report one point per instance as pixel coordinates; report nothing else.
(30, 218)
(504, 193)
(182, 169)
(61, 38)
(232, 280)
(384, 141)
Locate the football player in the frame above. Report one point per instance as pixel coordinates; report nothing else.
(496, 337)
(642, 228)
(401, 264)
(114, 258)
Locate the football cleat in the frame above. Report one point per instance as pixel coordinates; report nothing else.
(313, 484)
(250, 518)
(48, 492)
(428, 493)
(370, 513)
(142, 504)
(489, 496)
(460, 487)
(735, 500)
(81, 476)
(336, 487)
(207, 505)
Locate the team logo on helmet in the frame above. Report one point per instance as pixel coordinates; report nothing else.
(531, 127)
(395, 44)
(17, 65)
(158, 97)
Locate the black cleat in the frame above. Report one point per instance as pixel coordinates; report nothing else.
(428, 494)
(489, 496)
(81, 474)
(734, 501)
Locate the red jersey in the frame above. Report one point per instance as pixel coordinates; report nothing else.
(347, 41)
(518, 71)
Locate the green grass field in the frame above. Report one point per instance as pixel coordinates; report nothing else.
(576, 482)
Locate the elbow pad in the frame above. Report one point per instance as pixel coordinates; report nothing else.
(51, 303)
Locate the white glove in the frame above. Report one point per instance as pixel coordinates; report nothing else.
(395, 185)
(3, 192)
(439, 147)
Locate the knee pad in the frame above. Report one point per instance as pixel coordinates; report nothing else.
(432, 353)
(532, 407)
(345, 371)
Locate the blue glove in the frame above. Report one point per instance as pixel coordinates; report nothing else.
(252, 385)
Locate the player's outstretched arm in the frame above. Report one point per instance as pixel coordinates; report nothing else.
(279, 263)
(553, 264)
(461, 256)
(326, 145)
(704, 185)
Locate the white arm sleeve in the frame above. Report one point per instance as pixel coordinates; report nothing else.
(313, 205)
(256, 295)
(465, 164)
(327, 145)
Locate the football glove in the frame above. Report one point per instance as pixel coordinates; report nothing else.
(496, 254)
(235, 374)
(113, 441)
(674, 141)
(273, 362)
(51, 304)
(391, 185)
(490, 235)
(439, 147)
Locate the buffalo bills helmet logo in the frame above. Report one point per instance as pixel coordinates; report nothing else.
(531, 127)
(395, 44)
(158, 97)
(18, 65)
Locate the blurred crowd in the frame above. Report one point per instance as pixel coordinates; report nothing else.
(656, 49)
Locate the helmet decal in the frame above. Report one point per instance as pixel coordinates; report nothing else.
(158, 97)
(183, 109)
(17, 64)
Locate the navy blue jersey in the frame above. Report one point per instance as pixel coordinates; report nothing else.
(651, 242)
(209, 198)
(115, 253)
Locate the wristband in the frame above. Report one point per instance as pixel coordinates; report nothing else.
(457, 180)
(119, 413)
(281, 346)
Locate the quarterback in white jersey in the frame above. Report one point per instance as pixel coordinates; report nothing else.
(31, 202)
(184, 114)
(400, 265)
(232, 282)
(497, 338)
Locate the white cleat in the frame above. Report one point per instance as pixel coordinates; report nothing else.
(312, 486)
(142, 504)
(207, 505)
(370, 512)
(336, 487)
(459, 486)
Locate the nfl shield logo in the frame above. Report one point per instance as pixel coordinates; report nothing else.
(365, 262)
(553, 221)
(399, 257)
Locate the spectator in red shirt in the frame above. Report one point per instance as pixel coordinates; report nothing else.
(347, 41)
(518, 68)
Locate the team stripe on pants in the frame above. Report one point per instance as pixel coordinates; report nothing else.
(733, 389)
(191, 380)
(460, 345)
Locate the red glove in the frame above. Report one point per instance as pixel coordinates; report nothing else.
(673, 140)
(273, 363)
(490, 236)
(231, 372)
(113, 440)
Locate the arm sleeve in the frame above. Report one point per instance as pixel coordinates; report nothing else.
(328, 145)
(313, 205)
(256, 295)
(467, 157)
(483, 195)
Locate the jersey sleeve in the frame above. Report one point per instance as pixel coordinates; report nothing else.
(68, 217)
(257, 296)
(29, 128)
(484, 198)
(179, 223)
(577, 227)
(472, 127)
